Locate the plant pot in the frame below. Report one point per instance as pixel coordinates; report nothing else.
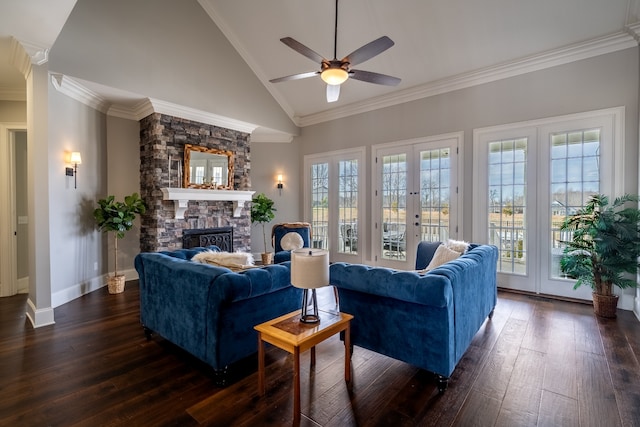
(116, 284)
(605, 305)
(267, 258)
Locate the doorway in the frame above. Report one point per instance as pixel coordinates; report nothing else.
(14, 252)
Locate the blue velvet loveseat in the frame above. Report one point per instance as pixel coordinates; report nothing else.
(210, 311)
(427, 320)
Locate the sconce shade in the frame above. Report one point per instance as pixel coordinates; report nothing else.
(75, 158)
(309, 268)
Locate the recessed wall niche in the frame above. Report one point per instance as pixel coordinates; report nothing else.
(162, 141)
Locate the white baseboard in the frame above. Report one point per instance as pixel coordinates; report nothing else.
(76, 291)
(39, 317)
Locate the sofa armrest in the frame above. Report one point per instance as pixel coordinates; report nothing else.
(424, 289)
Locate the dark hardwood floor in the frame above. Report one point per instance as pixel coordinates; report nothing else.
(537, 362)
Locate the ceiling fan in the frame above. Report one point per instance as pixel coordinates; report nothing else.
(336, 71)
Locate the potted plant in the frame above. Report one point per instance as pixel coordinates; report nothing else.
(604, 249)
(262, 211)
(117, 217)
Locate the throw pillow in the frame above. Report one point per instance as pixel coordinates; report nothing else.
(291, 241)
(443, 254)
(457, 245)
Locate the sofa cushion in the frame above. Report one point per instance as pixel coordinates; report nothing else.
(442, 255)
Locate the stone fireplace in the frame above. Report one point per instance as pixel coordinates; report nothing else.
(162, 141)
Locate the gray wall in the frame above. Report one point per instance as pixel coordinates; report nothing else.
(123, 178)
(75, 245)
(165, 49)
(605, 81)
(13, 111)
(267, 161)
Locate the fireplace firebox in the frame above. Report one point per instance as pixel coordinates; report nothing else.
(222, 237)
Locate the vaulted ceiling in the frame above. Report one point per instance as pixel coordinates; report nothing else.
(439, 45)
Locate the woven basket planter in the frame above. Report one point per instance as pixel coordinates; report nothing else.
(116, 284)
(605, 306)
(267, 258)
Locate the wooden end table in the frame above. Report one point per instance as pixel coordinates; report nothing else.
(289, 334)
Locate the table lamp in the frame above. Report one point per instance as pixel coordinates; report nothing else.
(309, 270)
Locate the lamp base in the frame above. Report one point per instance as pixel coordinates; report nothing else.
(309, 316)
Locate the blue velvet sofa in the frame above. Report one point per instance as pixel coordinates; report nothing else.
(427, 320)
(210, 311)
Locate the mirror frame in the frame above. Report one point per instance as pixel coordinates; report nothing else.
(188, 148)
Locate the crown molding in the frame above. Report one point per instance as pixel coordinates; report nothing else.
(19, 58)
(136, 112)
(164, 107)
(261, 134)
(28, 52)
(75, 90)
(634, 30)
(577, 52)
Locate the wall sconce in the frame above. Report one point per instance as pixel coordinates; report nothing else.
(280, 184)
(75, 159)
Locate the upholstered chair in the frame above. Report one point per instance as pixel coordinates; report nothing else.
(288, 236)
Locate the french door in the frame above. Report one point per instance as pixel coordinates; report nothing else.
(334, 199)
(529, 178)
(416, 197)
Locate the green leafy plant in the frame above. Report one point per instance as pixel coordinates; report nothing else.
(262, 211)
(118, 217)
(605, 245)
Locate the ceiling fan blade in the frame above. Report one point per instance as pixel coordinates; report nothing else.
(302, 49)
(333, 93)
(369, 50)
(295, 77)
(377, 78)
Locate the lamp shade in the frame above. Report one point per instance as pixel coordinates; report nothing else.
(309, 268)
(75, 158)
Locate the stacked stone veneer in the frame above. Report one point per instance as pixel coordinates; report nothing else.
(163, 137)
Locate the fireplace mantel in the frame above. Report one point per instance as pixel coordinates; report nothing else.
(181, 197)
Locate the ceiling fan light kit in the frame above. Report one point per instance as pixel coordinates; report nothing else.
(334, 76)
(336, 71)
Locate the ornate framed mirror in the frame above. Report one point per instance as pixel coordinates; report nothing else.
(207, 168)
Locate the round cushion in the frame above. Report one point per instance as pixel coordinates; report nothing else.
(291, 241)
